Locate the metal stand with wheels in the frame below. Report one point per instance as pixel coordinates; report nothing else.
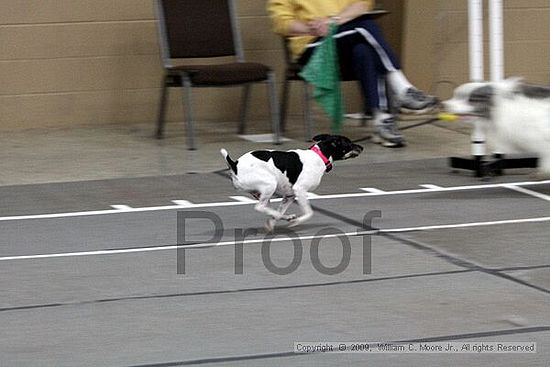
(477, 162)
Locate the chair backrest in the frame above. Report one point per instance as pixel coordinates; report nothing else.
(198, 28)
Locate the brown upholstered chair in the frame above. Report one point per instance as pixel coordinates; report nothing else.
(207, 29)
(292, 71)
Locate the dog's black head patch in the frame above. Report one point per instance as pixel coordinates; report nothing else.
(535, 91)
(481, 100)
(337, 146)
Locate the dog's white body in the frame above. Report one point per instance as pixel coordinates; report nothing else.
(256, 175)
(516, 116)
(291, 174)
(263, 180)
(522, 125)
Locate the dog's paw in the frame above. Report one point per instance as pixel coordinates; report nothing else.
(270, 225)
(294, 222)
(289, 217)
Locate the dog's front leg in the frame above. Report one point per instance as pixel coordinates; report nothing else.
(263, 207)
(303, 202)
(263, 203)
(285, 204)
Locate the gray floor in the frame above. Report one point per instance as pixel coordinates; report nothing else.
(88, 265)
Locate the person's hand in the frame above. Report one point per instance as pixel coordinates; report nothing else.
(319, 27)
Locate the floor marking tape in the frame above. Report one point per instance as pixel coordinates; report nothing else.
(357, 233)
(235, 203)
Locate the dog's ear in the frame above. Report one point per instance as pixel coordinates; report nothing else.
(481, 95)
(511, 86)
(321, 137)
(514, 80)
(512, 83)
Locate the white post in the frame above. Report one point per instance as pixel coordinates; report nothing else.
(475, 28)
(496, 40)
(475, 19)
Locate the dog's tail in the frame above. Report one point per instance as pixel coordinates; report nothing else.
(230, 162)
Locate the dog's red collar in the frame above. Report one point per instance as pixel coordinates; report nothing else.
(326, 161)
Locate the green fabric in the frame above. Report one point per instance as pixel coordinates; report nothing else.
(323, 72)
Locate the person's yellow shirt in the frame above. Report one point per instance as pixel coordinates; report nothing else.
(282, 12)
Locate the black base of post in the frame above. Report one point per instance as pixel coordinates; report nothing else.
(494, 167)
(474, 164)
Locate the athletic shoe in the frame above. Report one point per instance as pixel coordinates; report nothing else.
(387, 133)
(418, 102)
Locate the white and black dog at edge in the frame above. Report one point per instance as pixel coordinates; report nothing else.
(288, 174)
(515, 116)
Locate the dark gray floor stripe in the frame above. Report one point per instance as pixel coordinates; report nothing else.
(518, 268)
(483, 334)
(233, 291)
(469, 267)
(466, 264)
(425, 248)
(223, 359)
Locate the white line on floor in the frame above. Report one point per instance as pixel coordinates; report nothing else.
(277, 239)
(430, 186)
(124, 208)
(372, 190)
(243, 199)
(467, 225)
(174, 247)
(183, 203)
(235, 203)
(532, 193)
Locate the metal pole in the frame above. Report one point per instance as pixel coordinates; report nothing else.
(496, 40)
(475, 19)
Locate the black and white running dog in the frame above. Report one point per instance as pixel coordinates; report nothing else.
(289, 174)
(516, 115)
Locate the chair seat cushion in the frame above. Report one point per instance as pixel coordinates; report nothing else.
(224, 74)
(292, 70)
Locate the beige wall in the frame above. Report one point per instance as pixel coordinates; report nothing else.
(75, 62)
(436, 48)
(70, 62)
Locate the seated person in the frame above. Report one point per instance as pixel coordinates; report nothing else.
(362, 50)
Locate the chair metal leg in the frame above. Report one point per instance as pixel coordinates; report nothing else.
(244, 108)
(162, 108)
(308, 121)
(285, 94)
(274, 109)
(188, 111)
